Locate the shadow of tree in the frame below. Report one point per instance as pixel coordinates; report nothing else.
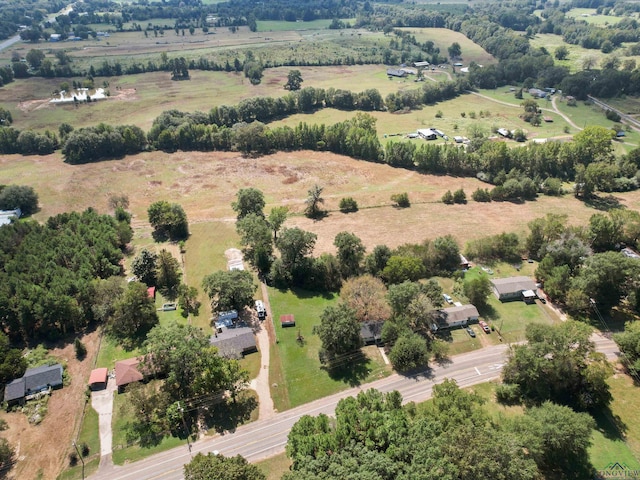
(352, 370)
(604, 203)
(227, 416)
(488, 311)
(610, 424)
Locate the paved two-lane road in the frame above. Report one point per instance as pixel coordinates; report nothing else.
(263, 439)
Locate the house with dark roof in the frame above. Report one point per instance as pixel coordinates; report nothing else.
(34, 380)
(396, 72)
(453, 317)
(234, 342)
(371, 332)
(127, 371)
(514, 288)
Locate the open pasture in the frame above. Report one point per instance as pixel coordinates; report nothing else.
(139, 99)
(443, 38)
(578, 55)
(489, 114)
(206, 183)
(590, 16)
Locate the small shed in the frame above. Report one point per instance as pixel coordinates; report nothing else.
(98, 379)
(287, 320)
(151, 292)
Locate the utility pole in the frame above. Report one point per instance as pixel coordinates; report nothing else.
(75, 445)
(184, 423)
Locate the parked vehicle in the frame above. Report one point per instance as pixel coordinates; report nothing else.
(447, 298)
(471, 333)
(261, 311)
(484, 326)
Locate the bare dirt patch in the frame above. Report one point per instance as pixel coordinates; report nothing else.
(44, 448)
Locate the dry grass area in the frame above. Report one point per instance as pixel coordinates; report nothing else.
(42, 450)
(205, 185)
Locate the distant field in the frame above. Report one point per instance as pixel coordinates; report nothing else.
(139, 99)
(277, 26)
(443, 38)
(494, 115)
(590, 16)
(577, 54)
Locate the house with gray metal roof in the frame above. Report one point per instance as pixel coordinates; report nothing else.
(452, 317)
(33, 381)
(513, 288)
(234, 342)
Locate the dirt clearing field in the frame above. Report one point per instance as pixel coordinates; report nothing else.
(205, 185)
(42, 449)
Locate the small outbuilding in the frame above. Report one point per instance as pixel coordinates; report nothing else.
(151, 292)
(287, 320)
(98, 379)
(512, 288)
(8, 216)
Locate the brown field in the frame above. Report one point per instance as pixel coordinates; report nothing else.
(205, 184)
(42, 450)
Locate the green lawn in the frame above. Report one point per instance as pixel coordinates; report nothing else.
(279, 26)
(205, 254)
(590, 16)
(607, 446)
(275, 467)
(111, 352)
(295, 366)
(89, 434)
(122, 452)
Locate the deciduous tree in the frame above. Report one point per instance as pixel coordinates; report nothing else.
(366, 296)
(249, 200)
(19, 196)
(229, 290)
(168, 275)
(218, 467)
(145, 267)
(350, 253)
(339, 332)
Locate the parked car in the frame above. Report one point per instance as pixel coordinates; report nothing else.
(484, 326)
(543, 300)
(447, 298)
(471, 333)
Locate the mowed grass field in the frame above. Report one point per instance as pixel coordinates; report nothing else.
(577, 54)
(589, 15)
(296, 374)
(139, 99)
(443, 38)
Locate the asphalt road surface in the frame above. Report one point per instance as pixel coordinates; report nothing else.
(265, 438)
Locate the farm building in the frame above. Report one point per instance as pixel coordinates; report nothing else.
(504, 132)
(34, 380)
(421, 64)
(628, 252)
(464, 263)
(234, 342)
(396, 72)
(287, 320)
(98, 379)
(427, 134)
(8, 216)
(371, 332)
(127, 371)
(537, 93)
(55, 37)
(514, 288)
(453, 317)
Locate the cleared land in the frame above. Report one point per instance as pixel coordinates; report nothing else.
(590, 16)
(577, 54)
(38, 456)
(443, 38)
